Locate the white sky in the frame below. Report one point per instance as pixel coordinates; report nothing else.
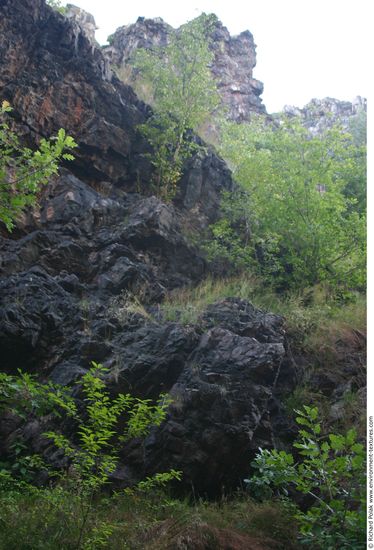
(305, 48)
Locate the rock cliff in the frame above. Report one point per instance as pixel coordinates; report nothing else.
(320, 114)
(83, 274)
(232, 67)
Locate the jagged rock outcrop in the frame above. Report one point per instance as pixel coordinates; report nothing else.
(85, 20)
(145, 33)
(219, 413)
(321, 114)
(234, 61)
(82, 274)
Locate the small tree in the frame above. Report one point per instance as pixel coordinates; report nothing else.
(23, 171)
(184, 95)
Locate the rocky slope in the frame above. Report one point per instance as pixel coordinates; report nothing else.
(232, 67)
(75, 270)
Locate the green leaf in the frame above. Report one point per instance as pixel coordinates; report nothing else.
(351, 437)
(337, 442)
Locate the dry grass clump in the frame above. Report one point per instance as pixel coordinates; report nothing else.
(187, 304)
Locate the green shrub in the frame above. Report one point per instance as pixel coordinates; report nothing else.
(330, 473)
(92, 454)
(23, 171)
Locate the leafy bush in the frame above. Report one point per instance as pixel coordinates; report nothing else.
(330, 473)
(91, 454)
(23, 171)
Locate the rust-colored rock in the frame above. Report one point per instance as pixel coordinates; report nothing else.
(55, 76)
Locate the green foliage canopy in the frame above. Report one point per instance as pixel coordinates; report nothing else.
(293, 220)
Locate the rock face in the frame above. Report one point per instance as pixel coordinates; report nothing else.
(234, 61)
(84, 19)
(70, 293)
(145, 33)
(221, 399)
(83, 274)
(54, 77)
(320, 114)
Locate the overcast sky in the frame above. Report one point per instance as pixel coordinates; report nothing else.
(305, 48)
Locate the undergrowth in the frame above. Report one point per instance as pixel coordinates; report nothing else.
(187, 304)
(44, 520)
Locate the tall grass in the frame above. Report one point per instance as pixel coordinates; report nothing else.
(47, 520)
(312, 317)
(187, 304)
